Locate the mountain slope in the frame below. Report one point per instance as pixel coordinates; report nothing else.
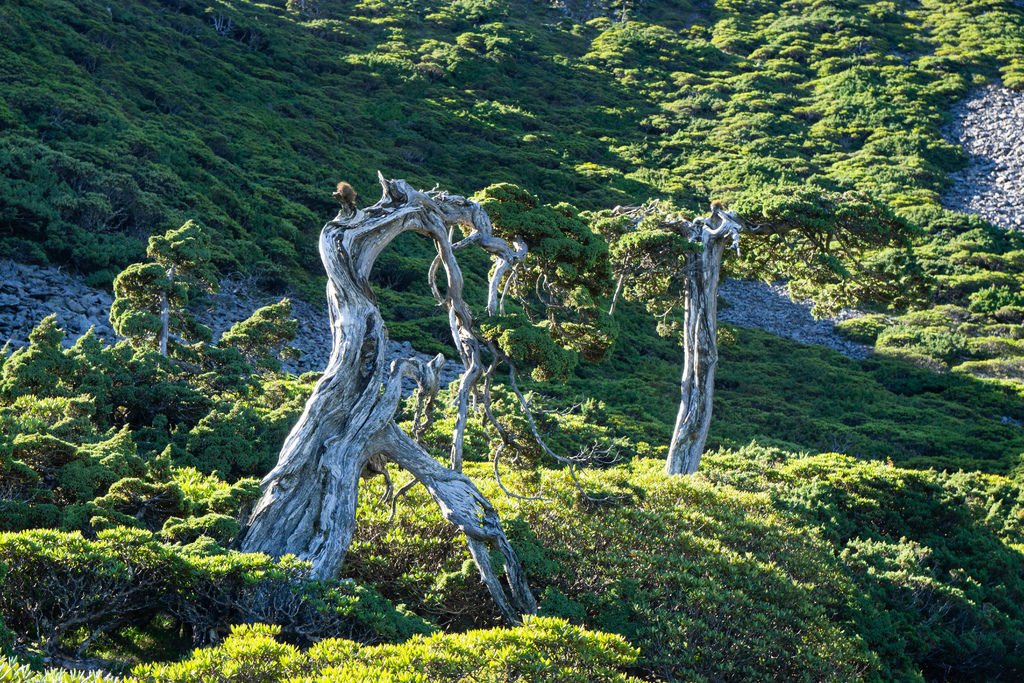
(120, 121)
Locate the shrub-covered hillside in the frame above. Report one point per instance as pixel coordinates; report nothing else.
(121, 120)
(123, 476)
(852, 520)
(118, 122)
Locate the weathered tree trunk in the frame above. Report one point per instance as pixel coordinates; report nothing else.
(700, 343)
(308, 506)
(165, 312)
(619, 283)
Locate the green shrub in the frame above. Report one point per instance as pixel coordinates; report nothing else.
(263, 337)
(864, 329)
(955, 289)
(1009, 314)
(937, 344)
(942, 587)
(991, 299)
(13, 672)
(229, 440)
(232, 588)
(706, 580)
(6, 635)
(57, 584)
(1011, 369)
(63, 594)
(221, 528)
(540, 650)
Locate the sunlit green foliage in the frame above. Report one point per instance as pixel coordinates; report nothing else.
(554, 313)
(146, 293)
(739, 538)
(91, 433)
(854, 570)
(123, 122)
(976, 326)
(262, 338)
(37, 370)
(684, 99)
(13, 672)
(540, 650)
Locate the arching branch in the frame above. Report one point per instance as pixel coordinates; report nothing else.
(308, 503)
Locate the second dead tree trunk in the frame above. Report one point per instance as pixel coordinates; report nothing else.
(700, 340)
(833, 235)
(308, 506)
(669, 275)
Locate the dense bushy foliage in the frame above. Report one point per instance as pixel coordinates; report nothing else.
(762, 543)
(64, 594)
(75, 420)
(680, 98)
(13, 672)
(124, 474)
(553, 313)
(853, 570)
(804, 398)
(121, 447)
(151, 298)
(934, 557)
(540, 650)
(976, 326)
(263, 337)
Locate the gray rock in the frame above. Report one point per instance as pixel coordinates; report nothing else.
(753, 304)
(988, 125)
(769, 308)
(30, 293)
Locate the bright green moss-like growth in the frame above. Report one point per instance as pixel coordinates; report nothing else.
(540, 650)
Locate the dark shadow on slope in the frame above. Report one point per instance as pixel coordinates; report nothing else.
(939, 587)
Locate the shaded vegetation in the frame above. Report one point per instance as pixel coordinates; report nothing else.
(853, 570)
(896, 553)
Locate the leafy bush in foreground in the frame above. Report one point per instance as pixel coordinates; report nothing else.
(62, 593)
(934, 558)
(540, 650)
(765, 566)
(709, 581)
(13, 672)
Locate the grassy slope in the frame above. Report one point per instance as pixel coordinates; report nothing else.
(122, 121)
(810, 399)
(118, 122)
(766, 566)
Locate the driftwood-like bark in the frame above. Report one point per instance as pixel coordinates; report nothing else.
(308, 506)
(697, 277)
(165, 312)
(700, 344)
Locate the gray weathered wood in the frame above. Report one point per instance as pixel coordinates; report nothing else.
(700, 343)
(308, 503)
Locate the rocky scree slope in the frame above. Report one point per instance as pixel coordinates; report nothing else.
(989, 125)
(30, 293)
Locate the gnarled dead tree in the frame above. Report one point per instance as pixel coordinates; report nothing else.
(844, 247)
(700, 273)
(308, 506)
